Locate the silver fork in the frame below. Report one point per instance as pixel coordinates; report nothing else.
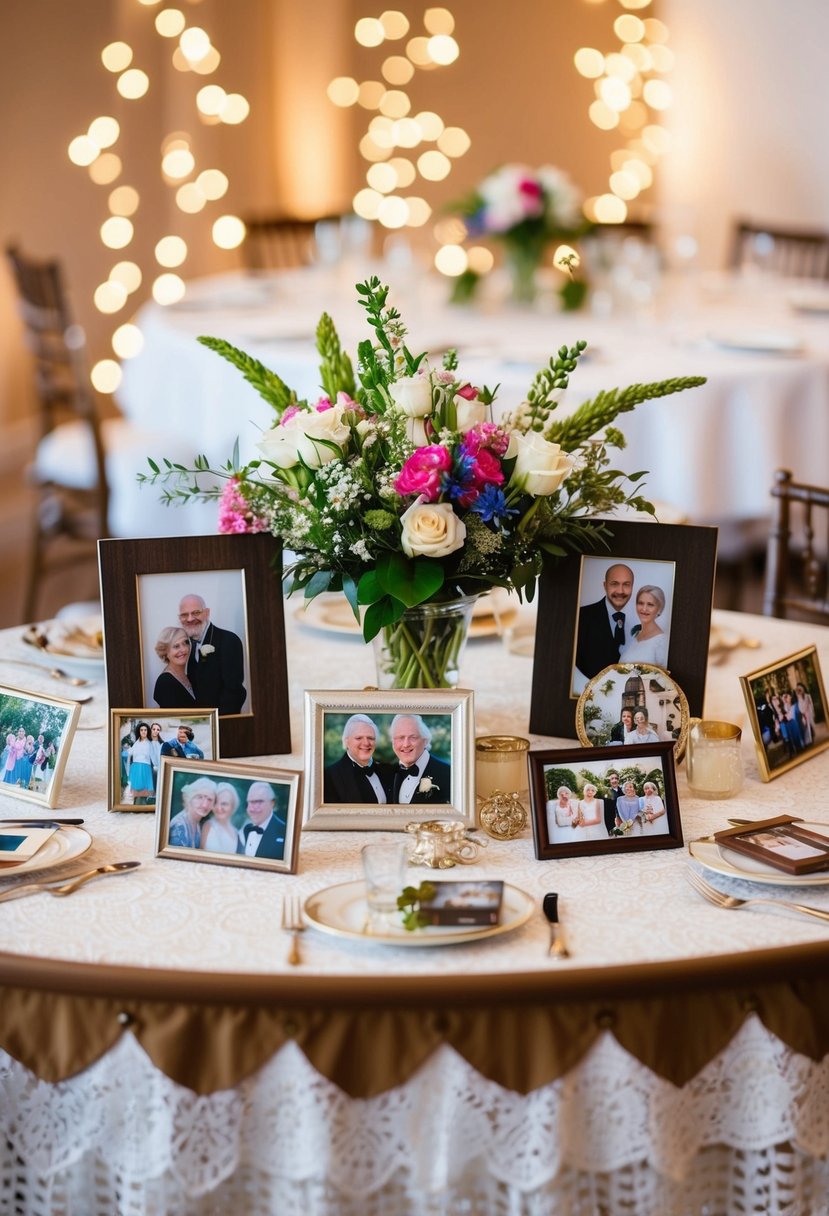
(292, 923)
(721, 900)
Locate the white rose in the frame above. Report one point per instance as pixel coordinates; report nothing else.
(286, 443)
(469, 413)
(540, 466)
(412, 395)
(431, 530)
(416, 432)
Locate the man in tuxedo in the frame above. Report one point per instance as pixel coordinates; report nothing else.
(614, 792)
(264, 835)
(420, 776)
(354, 777)
(216, 667)
(604, 627)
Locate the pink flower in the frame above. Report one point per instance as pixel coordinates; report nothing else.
(288, 413)
(423, 472)
(486, 435)
(235, 513)
(531, 197)
(486, 469)
(468, 392)
(324, 403)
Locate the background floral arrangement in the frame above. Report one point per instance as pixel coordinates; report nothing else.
(398, 488)
(527, 209)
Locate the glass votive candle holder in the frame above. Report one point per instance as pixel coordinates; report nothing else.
(713, 763)
(501, 764)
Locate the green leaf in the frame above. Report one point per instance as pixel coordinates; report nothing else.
(410, 580)
(267, 384)
(318, 583)
(384, 612)
(369, 589)
(350, 592)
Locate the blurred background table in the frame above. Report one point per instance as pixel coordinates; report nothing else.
(371, 1081)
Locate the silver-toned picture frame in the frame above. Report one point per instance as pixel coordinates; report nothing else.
(338, 796)
(50, 723)
(183, 817)
(200, 741)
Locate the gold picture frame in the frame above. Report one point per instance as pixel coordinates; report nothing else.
(783, 739)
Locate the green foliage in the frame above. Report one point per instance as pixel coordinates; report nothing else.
(409, 904)
(554, 778)
(336, 372)
(593, 415)
(267, 384)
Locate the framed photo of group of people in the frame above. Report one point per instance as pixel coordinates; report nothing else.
(786, 703)
(139, 741)
(599, 800)
(36, 732)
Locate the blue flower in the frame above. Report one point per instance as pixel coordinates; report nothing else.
(492, 507)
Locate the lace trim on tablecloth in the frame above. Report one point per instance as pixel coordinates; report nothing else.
(610, 1135)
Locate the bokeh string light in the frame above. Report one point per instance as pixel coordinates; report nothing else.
(399, 146)
(630, 95)
(194, 186)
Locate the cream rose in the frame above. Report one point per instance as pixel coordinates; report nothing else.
(416, 432)
(431, 530)
(540, 466)
(286, 443)
(469, 413)
(412, 395)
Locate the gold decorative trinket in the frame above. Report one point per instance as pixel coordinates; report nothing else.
(503, 816)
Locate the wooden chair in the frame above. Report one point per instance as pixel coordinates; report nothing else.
(68, 469)
(281, 242)
(792, 253)
(796, 567)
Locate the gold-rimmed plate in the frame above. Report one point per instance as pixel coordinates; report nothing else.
(67, 843)
(342, 911)
(332, 614)
(720, 860)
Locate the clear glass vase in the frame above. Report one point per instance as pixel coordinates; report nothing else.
(425, 647)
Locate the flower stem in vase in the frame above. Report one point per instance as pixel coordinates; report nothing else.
(424, 648)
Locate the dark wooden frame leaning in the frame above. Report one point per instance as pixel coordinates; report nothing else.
(806, 657)
(590, 758)
(266, 730)
(693, 551)
(742, 840)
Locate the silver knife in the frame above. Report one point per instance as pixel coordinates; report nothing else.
(38, 823)
(69, 880)
(558, 947)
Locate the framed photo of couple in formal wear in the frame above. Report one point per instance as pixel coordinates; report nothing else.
(36, 732)
(138, 741)
(786, 703)
(645, 599)
(385, 759)
(197, 623)
(595, 801)
(228, 814)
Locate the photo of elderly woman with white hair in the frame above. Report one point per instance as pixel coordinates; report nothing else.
(198, 800)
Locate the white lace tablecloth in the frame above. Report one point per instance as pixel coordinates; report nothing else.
(750, 1133)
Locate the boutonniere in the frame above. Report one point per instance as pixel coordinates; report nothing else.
(206, 650)
(427, 785)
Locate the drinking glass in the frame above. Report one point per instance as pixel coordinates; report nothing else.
(713, 763)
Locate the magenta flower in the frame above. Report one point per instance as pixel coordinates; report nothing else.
(485, 435)
(468, 392)
(324, 403)
(486, 469)
(235, 513)
(288, 414)
(423, 472)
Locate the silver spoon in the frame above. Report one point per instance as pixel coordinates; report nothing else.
(57, 673)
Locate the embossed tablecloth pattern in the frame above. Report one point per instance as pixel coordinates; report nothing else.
(573, 1143)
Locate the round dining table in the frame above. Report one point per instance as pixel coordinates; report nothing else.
(160, 1053)
(710, 453)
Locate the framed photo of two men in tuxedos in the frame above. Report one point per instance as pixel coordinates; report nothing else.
(384, 759)
(196, 623)
(644, 598)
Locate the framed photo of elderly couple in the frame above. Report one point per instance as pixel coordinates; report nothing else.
(644, 599)
(228, 814)
(196, 623)
(600, 800)
(381, 760)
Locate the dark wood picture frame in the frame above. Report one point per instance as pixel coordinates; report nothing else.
(777, 754)
(693, 552)
(746, 839)
(601, 761)
(266, 729)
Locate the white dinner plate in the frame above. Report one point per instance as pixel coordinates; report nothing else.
(67, 843)
(736, 865)
(768, 341)
(342, 911)
(75, 646)
(332, 614)
(810, 301)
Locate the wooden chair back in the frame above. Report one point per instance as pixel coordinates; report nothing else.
(796, 565)
(792, 253)
(280, 242)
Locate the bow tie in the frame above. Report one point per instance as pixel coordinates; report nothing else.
(363, 768)
(259, 831)
(407, 768)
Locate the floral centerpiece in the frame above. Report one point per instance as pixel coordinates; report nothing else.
(526, 210)
(399, 489)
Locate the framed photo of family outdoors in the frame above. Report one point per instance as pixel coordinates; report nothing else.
(384, 759)
(596, 800)
(646, 598)
(228, 814)
(36, 733)
(786, 703)
(138, 741)
(197, 622)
